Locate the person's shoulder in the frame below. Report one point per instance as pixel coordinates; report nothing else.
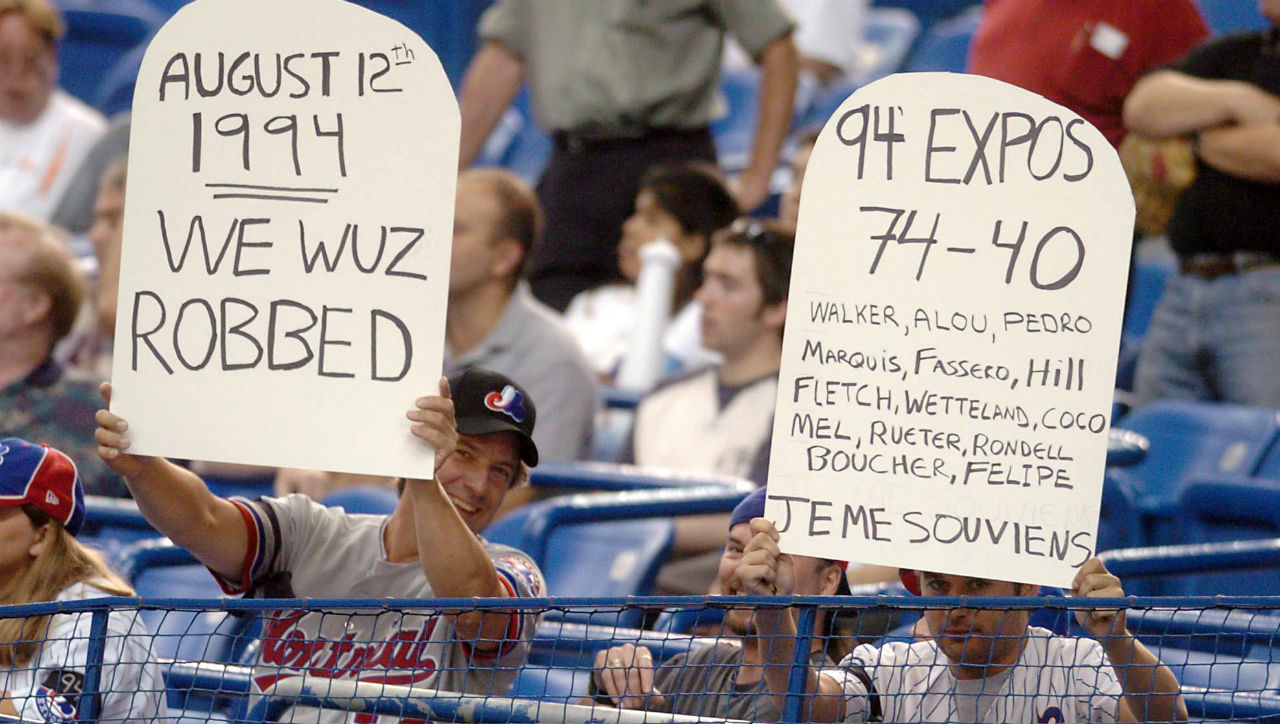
(677, 383)
(518, 568)
(543, 328)
(77, 112)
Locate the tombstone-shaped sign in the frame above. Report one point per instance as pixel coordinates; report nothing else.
(287, 228)
(952, 333)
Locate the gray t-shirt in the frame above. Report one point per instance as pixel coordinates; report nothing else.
(625, 63)
(299, 548)
(532, 346)
(704, 682)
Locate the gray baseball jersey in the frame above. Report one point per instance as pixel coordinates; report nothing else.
(49, 687)
(1057, 679)
(300, 548)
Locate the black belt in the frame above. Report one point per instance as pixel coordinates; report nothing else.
(1212, 266)
(607, 138)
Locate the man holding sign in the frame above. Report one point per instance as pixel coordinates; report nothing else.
(981, 665)
(428, 547)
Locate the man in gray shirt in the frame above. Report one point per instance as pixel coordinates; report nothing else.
(724, 679)
(494, 322)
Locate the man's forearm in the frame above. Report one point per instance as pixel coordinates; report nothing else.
(777, 631)
(178, 503)
(453, 560)
(1249, 152)
(1151, 691)
(779, 66)
(1168, 103)
(491, 83)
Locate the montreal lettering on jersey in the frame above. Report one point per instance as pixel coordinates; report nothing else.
(404, 657)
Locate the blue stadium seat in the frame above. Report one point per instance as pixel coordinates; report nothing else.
(929, 12)
(1221, 508)
(115, 90)
(608, 544)
(736, 129)
(1149, 277)
(610, 558)
(1121, 523)
(888, 36)
(563, 686)
(100, 32)
(159, 569)
(1232, 16)
(111, 525)
(1194, 438)
(945, 45)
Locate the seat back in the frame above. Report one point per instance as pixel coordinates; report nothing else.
(607, 558)
(888, 36)
(1194, 438)
(1231, 16)
(98, 34)
(945, 45)
(1218, 509)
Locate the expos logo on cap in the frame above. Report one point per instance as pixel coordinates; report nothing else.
(44, 477)
(509, 402)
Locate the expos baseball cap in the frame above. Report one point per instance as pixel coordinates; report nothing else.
(486, 402)
(43, 477)
(752, 506)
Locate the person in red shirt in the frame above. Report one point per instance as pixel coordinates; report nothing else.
(1084, 55)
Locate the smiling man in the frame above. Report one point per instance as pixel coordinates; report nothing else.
(427, 548)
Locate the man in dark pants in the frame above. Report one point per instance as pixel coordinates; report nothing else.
(622, 85)
(1215, 335)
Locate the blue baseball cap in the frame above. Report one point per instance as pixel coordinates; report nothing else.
(44, 477)
(751, 506)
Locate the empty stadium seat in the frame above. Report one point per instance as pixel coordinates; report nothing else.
(1194, 438)
(100, 32)
(1217, 509)
(1232, 16)
(888, 36)
(111, 525)
(608, 544)
(159, 569)
(115, 91)
(945, 45)
(610, 558)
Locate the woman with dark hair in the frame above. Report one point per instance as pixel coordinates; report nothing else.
(684, 204)
(43, 658)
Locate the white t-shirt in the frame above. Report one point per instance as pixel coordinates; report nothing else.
(1057, 679)
(38, 159)
(327, 553)
(49, 688)
(604, 322)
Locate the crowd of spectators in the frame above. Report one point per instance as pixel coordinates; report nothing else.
(633, 164)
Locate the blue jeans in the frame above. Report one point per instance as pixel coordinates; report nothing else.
(1216, 340)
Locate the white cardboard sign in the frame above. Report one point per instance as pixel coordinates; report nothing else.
(952, 333)
(287, 231)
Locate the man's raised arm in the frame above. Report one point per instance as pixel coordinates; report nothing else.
(767, 571)
(1150, 690)
(174, 500)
